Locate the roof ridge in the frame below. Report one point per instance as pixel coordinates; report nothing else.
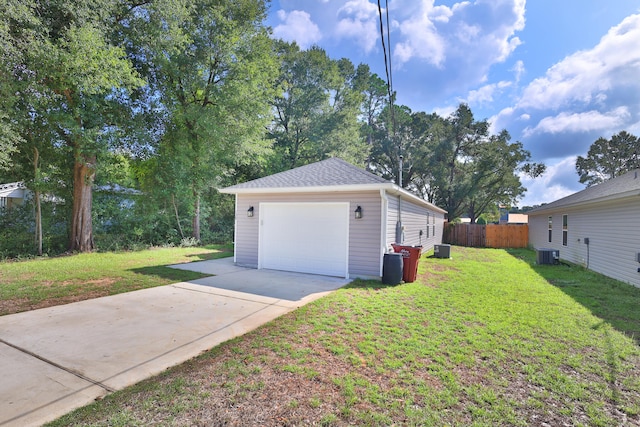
(332, 171)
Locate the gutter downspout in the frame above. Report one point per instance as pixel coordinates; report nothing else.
(399, 238)
(383, 227)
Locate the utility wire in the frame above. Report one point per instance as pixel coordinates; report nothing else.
(387, 67)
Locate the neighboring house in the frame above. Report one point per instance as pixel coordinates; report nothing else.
(329, 218)
(514, 218)
(598, 227)
(13, 194)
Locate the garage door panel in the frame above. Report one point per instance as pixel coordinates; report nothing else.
(305, 237)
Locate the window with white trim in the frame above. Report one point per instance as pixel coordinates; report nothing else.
(550, 226)
(428, 222)
(565, 229)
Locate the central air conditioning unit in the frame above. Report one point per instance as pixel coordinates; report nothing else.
(547, 256)
(442, 251)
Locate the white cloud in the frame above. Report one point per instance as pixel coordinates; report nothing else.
(486, 93)
(580, 122)
(558, 181)
(445, 111)
(297, 26)
(420, 35)
(588, 76)
(465, 39)
(518, 70)
(359, 23)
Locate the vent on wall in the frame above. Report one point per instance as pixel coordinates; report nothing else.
(547, 256)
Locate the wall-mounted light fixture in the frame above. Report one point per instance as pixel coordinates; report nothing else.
(358, 212)
(250, 212)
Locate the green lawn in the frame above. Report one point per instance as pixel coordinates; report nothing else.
(37, 283)
(485, 338)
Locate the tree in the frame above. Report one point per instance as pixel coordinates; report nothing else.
(474, 171)
(210, 63)
(410, 136)
(316, 113)
(608, 158)
(496, 174)
(12, 46)
(453, 162)
(61, 52)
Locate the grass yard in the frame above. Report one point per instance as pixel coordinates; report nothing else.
(486, 338)
(45, 282)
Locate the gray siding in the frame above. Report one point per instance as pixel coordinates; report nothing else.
(613, 232)
(414, 219)
(365, 246)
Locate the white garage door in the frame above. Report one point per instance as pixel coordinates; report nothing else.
(305, 237)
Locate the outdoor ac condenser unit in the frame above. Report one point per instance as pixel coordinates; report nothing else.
(442, 251)
(547, 256)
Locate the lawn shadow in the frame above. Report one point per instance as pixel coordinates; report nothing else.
(368, 284)
(612, 301)
(168, 273)
(223, 253)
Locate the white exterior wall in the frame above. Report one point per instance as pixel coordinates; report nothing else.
(365, 245)
(414, 219)
(613, 231)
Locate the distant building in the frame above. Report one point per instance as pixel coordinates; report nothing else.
(514, 218)
(13, 194)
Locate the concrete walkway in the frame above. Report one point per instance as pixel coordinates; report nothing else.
(56, 359)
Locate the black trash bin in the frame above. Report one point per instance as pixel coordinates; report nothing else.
(392, 268)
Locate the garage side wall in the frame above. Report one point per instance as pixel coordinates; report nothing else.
(364, 234)
(612, 230)
(415, 218)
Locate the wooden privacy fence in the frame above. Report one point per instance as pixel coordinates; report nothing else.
(487, 236)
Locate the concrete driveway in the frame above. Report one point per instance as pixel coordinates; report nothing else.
(56, 359)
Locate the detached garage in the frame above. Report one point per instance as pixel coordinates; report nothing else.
(329, 218)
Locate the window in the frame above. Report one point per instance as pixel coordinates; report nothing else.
(565, 229)
(550, 229)
(428, 216)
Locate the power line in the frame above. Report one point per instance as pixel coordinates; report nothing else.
(387, 66)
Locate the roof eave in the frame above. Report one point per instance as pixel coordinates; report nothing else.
(389, 187)
(564, 206)
(314, 189)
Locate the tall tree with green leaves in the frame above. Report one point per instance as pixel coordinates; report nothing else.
(65, 56)
(608, 158)
(16, 35)
(453, 162)
(497, 174)
(211, 64)
(473, 170)
(316, 113)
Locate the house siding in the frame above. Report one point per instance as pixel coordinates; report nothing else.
(364, 234)
(614, 238)
(414, 219)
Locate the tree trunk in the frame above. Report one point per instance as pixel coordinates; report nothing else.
(38, 236)
(38, 206)
(175, 210)
(81, 226)
(196, 217)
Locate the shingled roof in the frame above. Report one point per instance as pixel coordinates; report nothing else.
(326, 173)
(622, 186)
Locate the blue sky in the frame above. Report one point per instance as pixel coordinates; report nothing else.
(556, 74)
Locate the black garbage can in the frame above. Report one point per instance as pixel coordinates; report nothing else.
(392, 268)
